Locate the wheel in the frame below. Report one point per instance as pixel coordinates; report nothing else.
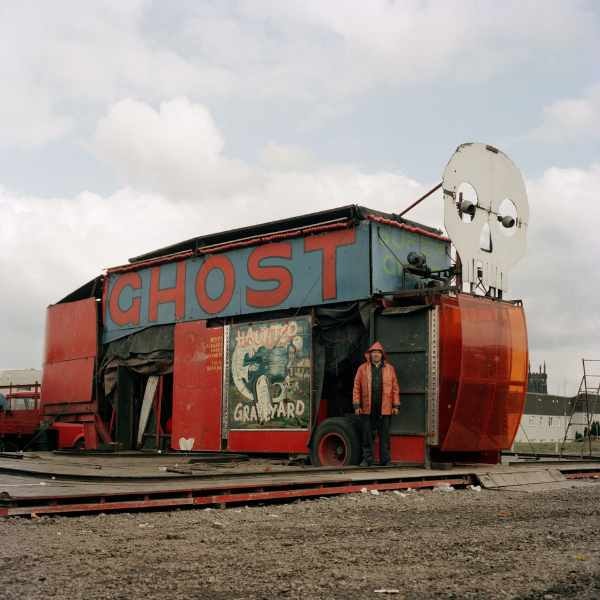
(336, 443)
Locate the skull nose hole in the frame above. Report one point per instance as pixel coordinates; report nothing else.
(485, 238)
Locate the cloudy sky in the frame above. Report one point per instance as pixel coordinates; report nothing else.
(125, 126)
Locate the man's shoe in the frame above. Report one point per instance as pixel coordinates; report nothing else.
(364, 463)
(384, 464)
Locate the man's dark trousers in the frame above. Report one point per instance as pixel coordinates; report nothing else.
(370, 425)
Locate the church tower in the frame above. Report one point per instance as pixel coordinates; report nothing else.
(538, 382)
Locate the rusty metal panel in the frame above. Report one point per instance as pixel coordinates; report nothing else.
(71, 331)
(68, 382)
(197, 387)
(305, 271)
(70, 353)
(405, 337)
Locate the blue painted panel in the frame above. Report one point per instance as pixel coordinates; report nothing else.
(390, 248)
(352, 282)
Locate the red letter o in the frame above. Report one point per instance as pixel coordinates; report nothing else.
(215, 305)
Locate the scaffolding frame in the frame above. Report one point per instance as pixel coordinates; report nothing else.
(588, 400)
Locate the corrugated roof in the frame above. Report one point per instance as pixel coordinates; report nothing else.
(548, 404)
(349, 212)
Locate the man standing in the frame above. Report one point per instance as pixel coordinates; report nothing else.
(375, 398)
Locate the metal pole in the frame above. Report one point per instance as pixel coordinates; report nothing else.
(435, 189)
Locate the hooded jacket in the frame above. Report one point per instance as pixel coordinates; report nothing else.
(390, 390)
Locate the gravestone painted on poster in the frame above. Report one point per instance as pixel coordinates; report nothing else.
(268, 382)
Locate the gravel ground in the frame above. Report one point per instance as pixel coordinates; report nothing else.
(460, 544)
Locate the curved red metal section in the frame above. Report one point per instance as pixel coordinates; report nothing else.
(483, 373)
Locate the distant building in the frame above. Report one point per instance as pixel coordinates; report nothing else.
(546, 417)
(538, 382)
(19, 379)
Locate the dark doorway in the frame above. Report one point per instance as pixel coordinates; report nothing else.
(153, 416)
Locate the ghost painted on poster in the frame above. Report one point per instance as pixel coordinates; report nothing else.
(269, 379)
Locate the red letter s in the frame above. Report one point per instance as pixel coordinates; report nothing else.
(283, 277)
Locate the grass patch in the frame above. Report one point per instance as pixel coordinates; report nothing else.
(571, 448)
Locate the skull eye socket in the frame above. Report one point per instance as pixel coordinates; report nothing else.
(485, 238)
(466, 202)
(507, 217)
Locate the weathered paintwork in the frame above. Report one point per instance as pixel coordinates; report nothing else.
(197, 387)
(343, 265)
(71, 349)
(305, 271)
(268, 379)
(390, 248)
(71, 331)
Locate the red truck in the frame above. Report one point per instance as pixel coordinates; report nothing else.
(22, 424)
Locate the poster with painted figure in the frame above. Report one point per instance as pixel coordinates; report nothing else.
(269, 380)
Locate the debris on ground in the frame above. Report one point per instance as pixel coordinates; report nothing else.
(483, 545)
(443, 488)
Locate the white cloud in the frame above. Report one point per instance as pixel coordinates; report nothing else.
(178, 152)
(286, 157)
(175, 150)
(317, 51)
(184, 186)
(571, 119)
(53, 55)
(27, 117)
(179, 183)
(61, 61)
(558, 277)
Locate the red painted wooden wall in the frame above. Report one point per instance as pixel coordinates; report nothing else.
(197, 384)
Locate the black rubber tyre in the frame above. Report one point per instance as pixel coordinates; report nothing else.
(336, 443)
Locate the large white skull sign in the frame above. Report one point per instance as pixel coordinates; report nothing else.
(485, 214)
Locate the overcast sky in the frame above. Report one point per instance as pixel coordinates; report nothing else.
(125, 126)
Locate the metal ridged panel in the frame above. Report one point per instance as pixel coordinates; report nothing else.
(433, 413)
(68, 382)
(71, 331)
(197, 387)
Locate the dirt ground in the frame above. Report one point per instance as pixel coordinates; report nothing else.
(426, 544)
